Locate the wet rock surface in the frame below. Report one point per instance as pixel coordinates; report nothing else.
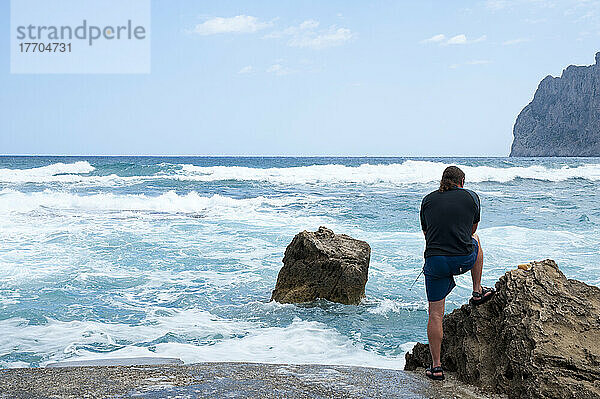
(539, 337)
(227, 380)
(563, 119)
(325, 265)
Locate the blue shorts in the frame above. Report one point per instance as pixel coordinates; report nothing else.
(440, 271)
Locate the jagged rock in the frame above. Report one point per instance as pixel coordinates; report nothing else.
(539, 337)
(323, 265)
(563, 119)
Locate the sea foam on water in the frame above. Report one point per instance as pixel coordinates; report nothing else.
(112, 257)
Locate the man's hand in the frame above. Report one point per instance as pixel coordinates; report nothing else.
(474, 229)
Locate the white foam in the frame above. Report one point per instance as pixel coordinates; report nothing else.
(408, 346)
(218, 340)
(169, 202)
(408, 172)
(300, 342)
(55, 172)
(53, 206)
(538, 241)
(386, 306)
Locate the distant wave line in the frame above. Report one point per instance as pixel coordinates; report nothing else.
(170, 202)
(407, 172)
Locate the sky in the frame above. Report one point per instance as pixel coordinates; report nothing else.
(307, 78)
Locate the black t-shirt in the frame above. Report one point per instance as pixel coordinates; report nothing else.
(447, 218)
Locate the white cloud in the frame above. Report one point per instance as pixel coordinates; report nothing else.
(246, 69)
(454, 40)
(306, 35)
(334, 37)
(307, 25)
(462, 39)
(496, 4)
(458, 39)
(279, 70)
(237, 24)
(435, 39)
(514, 41)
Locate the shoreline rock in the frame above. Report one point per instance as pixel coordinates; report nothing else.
(325, 265)
(228, 379)
(539, 337)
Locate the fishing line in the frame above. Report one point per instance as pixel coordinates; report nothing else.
(414, 282)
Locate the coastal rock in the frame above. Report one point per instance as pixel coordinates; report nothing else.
(563, 119)
(539, 337)
(324, 265)
(227, 380)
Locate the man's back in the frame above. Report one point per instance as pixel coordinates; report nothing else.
(447, 218)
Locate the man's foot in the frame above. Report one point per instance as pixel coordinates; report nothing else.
(482, 297)
(435, 373)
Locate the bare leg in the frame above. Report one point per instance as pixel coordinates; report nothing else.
(477, 269)
(435, 331)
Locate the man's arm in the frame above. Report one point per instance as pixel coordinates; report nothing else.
(423, 224)
(477, 217)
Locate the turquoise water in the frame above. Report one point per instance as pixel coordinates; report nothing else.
(128, 256)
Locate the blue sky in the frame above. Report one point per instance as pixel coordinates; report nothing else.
(356, 78)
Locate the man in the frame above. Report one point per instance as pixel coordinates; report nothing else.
(449, 219)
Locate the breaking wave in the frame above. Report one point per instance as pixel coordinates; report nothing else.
(54, 172)
(216, 340)
(408, 172)
(169, 202)
(259, 211)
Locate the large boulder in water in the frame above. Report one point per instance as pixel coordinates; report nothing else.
(539, 337)
(323, 265)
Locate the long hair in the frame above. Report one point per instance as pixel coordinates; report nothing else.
(452, 177)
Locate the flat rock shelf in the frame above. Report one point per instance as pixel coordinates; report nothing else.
(233, 380)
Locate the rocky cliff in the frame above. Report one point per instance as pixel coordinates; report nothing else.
(539, 337)
(563, 119)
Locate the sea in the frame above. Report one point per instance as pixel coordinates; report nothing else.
(108, 257)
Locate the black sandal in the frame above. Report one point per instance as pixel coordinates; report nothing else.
(482, 297)
(430, 373)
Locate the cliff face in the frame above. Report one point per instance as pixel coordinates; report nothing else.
(539, 337)
(563, 119)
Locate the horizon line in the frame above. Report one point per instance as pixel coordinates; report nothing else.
(260, 156)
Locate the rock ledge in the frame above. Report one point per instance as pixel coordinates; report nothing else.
(539, 337)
